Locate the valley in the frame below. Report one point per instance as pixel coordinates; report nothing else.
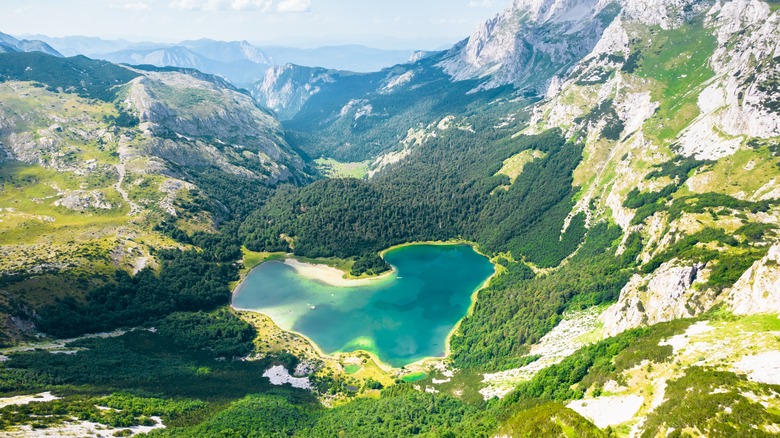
(567, 224)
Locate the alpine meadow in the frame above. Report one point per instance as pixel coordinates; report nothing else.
(564, 225)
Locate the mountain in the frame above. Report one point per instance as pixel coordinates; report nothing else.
(357, 117)
(285, 89)
(241, 62)
(11, 44)
(99, 155)
(227, 52)
(689, 102)
(238, 61)
(530, 42)
(532, 47)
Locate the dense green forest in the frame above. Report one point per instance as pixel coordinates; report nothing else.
(445, 190)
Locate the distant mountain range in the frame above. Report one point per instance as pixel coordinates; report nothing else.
(9, 44)
(238, 61)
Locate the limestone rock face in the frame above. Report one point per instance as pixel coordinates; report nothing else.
(80, 200)
(758, 290)
(666, 294)
(535, 40)
(738, 104)
(530, 43)
(286, 89)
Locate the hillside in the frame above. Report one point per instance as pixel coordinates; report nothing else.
(355, 117)
(93, 162)
(617, 161)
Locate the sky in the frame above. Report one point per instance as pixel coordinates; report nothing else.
(410, 24)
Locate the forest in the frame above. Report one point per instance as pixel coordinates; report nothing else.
(445, 190)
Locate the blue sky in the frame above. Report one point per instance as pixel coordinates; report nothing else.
(410, 23)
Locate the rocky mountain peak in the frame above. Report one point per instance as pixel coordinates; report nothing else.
(534, 40)
(286, 88)
(253, 53)
(530, 42)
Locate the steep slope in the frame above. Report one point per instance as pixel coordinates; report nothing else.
(530, 42)
(654, 96)
(95, 163)
(183, 116)
(285, 89)
(357, 117)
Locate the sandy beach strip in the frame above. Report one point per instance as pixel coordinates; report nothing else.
(332, 276)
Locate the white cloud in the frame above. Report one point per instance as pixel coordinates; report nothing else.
(294, 6)
(131, 6)
(480, 3)
(221, 5)
(250, 5)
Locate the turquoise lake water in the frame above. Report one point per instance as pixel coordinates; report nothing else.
(401, 319)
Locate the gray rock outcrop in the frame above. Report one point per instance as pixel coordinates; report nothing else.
(666, 294)
(758, 290)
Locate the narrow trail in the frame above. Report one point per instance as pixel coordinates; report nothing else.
(134, 208)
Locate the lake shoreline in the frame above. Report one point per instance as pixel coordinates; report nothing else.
(336, 277)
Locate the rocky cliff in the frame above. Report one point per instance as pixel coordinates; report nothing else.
(758, 290)
(285, 89)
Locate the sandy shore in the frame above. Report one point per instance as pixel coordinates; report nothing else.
(332, 276)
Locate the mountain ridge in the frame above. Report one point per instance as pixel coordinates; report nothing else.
(9, 43)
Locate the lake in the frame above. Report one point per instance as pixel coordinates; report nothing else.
(402, 318)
